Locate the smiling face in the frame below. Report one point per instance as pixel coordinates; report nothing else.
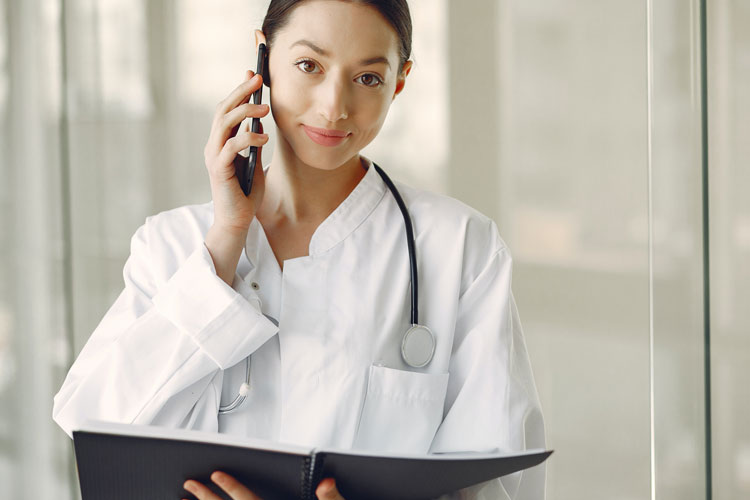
(334, 73)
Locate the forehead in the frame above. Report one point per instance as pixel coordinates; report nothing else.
(341, 27)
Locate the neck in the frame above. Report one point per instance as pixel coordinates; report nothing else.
(298, 194)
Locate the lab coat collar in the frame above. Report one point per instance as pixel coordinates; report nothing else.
(338, 225)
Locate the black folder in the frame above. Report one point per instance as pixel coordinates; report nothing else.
(120, 461)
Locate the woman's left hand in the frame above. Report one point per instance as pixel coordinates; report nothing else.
(237, 491)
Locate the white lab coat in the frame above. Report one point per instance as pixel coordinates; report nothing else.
(172, 347)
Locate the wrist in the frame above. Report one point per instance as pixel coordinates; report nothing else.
(225, 246)
(231, 230)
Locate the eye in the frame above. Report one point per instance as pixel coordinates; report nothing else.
(370, 80)
(306, 65)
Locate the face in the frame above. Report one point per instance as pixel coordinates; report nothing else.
(333, 71)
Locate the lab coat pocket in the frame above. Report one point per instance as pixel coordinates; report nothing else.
(402, 410)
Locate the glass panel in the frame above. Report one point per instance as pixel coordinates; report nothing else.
(33, 455)
(677, 237)
(729, 209)
(572, 206)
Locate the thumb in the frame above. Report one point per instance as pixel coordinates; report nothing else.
(327, 490)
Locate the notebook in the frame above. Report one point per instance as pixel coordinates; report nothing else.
(121, 461)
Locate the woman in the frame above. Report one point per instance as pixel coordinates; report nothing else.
(308, 278)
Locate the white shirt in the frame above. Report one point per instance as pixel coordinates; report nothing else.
(172, 347)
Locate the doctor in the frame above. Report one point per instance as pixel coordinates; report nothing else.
(282, 315)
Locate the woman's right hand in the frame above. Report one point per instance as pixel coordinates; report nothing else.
(233, 210)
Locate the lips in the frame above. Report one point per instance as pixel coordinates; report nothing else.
(325, 137)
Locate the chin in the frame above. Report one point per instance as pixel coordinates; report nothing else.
(315, 155)
(325, 160)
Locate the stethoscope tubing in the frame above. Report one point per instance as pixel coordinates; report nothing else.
(409, 243)
(240, 397)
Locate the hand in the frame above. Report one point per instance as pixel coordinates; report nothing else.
(237, 491)
(232, 209)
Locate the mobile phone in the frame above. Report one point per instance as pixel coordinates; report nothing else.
(245, 169)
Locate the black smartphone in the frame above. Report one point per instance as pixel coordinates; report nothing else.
(245, 167)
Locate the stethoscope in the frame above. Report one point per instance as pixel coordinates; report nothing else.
(418, 344)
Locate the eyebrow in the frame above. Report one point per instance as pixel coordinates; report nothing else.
(325, 53)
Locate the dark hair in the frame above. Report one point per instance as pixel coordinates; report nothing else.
(396, 12)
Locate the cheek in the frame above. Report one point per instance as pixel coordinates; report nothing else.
(372, 114)
(286, 105)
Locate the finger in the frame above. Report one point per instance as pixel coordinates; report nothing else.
(217, 137)
(222, 108)
(235, 489)
(236, 144)
(239, 95)
(201, 491)
(247, 110)
(327, 490)
(232, 101)
(230, 122)
(248, 76)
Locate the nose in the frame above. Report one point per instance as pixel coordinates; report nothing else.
(333, 99)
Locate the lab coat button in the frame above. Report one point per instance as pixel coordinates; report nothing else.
(255, 285)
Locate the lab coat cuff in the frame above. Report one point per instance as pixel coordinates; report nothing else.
(226, 322)
(241, 287)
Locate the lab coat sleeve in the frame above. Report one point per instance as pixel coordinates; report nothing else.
(157, 356)
(492, 403)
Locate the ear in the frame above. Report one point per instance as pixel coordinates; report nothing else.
(260, 37)
(401, 80)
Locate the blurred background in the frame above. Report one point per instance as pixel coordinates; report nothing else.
(577, 125)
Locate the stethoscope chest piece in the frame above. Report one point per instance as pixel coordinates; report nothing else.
(418, 346)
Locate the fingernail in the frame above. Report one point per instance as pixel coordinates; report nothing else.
(189, 486)
(218, 477)
(263, 136)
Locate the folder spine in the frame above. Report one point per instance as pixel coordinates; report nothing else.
(305, 475)
(316, 472)
(311, 474)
